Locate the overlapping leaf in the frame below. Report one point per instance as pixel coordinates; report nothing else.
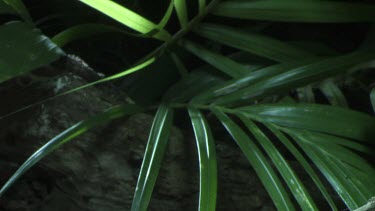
(207, 161)
(156, 145)
(297, 11)
(67, 136)
(23, 49)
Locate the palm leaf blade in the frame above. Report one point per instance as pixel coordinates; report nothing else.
(293, 11)
(295, 185)
(258, 161)
(207, 161)
(67, 136)
(156, 145)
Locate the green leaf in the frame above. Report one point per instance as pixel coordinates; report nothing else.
(258, 161)
(222, 63)
(320, 118)
(128, 18)
(6, 9)
(18, 6)
(180, 65)
(303, 162)
(190, 86)
(253, 43)
(207, 161)
(182, 15)
(23, 49)
(115, 76)
(235, 85)
(167, 15)
(372, 98)
(330, 147)
(201, 6)
(339, 180)
(291, 179)
(297, 11)
(68, 135)
(333, 93)
(155, 149)
(306, 94)
(297, 77)
(87, 30)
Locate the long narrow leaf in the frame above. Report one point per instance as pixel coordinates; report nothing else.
(320, 118)
(207, 161)
(238, 84)
(258, 161)
(155, 149)
(67, 136)
(128, 18)
(253, 43)
(18, 6)
(333, 93)
(181, 10)
(372, 99)
(222, 63)
(303, 162)
(291, 179)
(297, 11)
(23, 49)
(87, 30)
(338, 179)
(297, 77)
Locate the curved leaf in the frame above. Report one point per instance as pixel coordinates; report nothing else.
(321, 118)
(291, 179)
(155, 149)
(222, 63)
(67, 136)
(207, 161)
(297, 77)
(303, 162)
(128, 18)
(87, 30)
(182, 14)
(23, 49)
(333, 93)
(18, 6)
(258, 161)
(253, 43)
(297, 11)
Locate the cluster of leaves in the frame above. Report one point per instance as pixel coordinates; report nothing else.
(250, 95)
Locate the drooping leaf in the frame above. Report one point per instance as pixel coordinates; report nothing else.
(190, 86)
(18, 6)
(222, 63)
(236, 85)
(182, 14)
(258, 161)
(320, 118)
(333, 93)
(372, 98)
(339, 180)
(207, 161)
(6, 9)
(253, 43)
(291, 179)
(180, 65)
(297, 11)
(155, 149)
(68, 135)
(87, 30)
(128, 18)
(303, 162)
(297, 77)
(23, 49)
